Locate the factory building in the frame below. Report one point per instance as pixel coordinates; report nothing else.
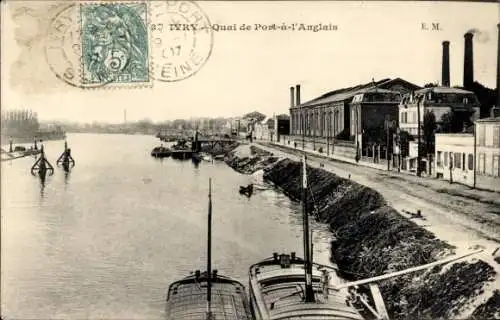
(330, 119)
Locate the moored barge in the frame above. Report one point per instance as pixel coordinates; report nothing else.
(285, 286)
(207, 295)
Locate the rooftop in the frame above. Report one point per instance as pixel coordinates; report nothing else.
(490, 119)
(347, 93)
(283, 117)
(443, 90)
(455, 134)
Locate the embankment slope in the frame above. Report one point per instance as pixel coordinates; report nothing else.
(373, 239)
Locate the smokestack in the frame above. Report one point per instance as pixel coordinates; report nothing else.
(292, 97)
(498, 68)
(297, 94)
(468, 61)
(445, 72)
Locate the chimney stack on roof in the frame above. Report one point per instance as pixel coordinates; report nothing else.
(468, 61)
(445, 72)
(292, 97)
(297, 94)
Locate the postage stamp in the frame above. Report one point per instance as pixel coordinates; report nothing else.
(101, 44)
(115, 43)
(182, 39)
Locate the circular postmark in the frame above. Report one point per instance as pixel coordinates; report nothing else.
(63, 47)
(181, 39)
(93, 45)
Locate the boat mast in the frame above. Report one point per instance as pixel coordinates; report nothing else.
(209, 254)
(307, 252)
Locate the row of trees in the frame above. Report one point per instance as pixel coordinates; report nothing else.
(147, 125)
(19, 122)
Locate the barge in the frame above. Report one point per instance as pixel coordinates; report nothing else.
(207, 295)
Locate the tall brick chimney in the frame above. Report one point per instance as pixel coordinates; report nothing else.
(297, 94)
(292, 97)
(445, 72)
(468, 61)
(498, 68)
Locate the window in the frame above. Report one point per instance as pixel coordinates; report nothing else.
(457, 163)
(496, 166)
(471, 162)
(438, 159)
(463, 161)
(446, 159)
(481, 135)
(496, 136)
(481, 165)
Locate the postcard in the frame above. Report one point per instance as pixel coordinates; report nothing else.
(250, 159)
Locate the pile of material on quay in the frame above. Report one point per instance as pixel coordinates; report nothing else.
(248, 159)
(218, 149)
(372, 239)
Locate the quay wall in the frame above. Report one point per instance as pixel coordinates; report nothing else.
(372, 239)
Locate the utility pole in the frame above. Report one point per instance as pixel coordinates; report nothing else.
(475, 154)
(315, 125)
(418, 141)
(334, 131)
(451, 167)
(387, 128)
(303, 132)
(328, 133)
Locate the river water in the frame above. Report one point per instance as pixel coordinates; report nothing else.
(106, 240)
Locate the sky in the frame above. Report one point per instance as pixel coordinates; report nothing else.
(253, 70)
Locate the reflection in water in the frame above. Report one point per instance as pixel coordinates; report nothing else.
(66, 176)
(106, 240)
(42, 177)
(196, 164)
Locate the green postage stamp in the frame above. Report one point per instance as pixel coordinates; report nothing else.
(115, 43)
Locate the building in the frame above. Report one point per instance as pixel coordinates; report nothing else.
(488, 146)
(469, 159)
(321, 121)
(264, 129)
(370, 110)
(281, 126)
(454, 157)
(440, 101)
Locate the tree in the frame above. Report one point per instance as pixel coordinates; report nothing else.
(257, 116)
(487, 98)
(404, 140)
(451, 123)
(429, 127)
(430, 85)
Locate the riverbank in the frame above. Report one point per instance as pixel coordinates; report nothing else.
(374, 239)
(248, 159)
(42, 135)
(219, 149)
